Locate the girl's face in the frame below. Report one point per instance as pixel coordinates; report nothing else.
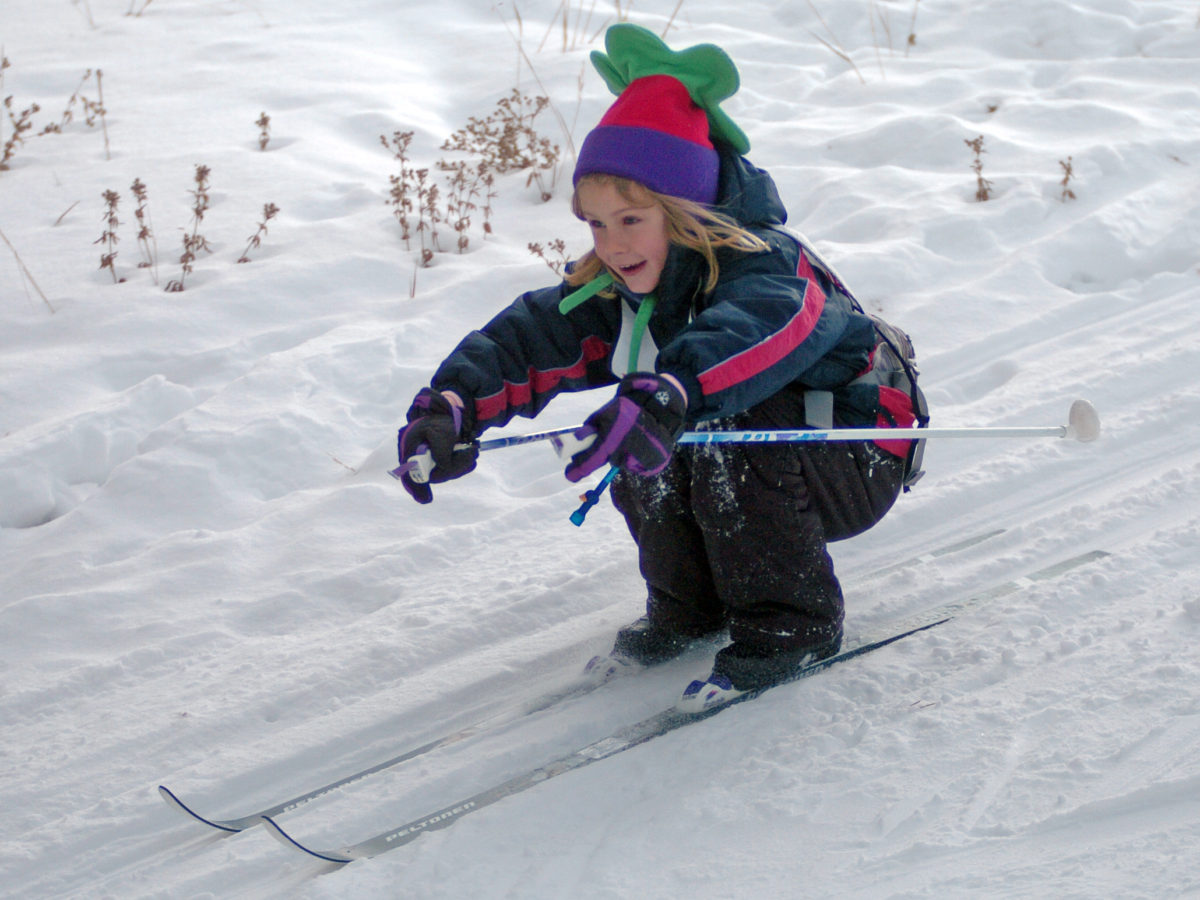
(630, 239)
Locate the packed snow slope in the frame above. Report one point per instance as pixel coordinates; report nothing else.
(208, 580)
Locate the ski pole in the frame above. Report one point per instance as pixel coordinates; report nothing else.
(1083, 424)
(421, 464)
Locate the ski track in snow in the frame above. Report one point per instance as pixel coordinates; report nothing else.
(208, 580)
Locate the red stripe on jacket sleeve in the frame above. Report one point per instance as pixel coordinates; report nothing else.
(767, 352)
(514, 395)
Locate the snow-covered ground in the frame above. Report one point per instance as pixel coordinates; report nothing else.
(208, 580)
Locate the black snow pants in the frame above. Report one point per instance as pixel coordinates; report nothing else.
(735, 535)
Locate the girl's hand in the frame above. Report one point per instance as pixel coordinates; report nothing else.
(435, 426)
(636, 430)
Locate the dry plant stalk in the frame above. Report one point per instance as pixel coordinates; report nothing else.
(65, 213)
(507, 141)
(68, 115)
(571, 36)
(671, 19)
(264, 130)
(533, 71)
(467, 183)
(874, 15)
(147, 242)
(1068, 173)
(427, 216)
(93, 109)
(109, 238)
(837, 50)
(20, 123)
(96, 110)
(881, 16)
(270, 210)
(468, 186)
(400, 196)
(25, 270)
(459, 202)
(23, 122)
(133, 3)
(504, 141)
(912, 29)
(194, 242)
(577, 35)
(87, 11)
(983, 187)
(558, 248)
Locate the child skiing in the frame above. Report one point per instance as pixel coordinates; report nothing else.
(706, 314)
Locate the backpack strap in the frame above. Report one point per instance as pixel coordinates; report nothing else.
(901, 347)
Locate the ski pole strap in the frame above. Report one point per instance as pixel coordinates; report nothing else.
(592, 497)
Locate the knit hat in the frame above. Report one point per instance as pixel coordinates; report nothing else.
(660, 130)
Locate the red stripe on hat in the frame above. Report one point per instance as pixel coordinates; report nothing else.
(662, 103)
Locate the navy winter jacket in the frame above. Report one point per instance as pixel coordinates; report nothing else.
(776, 318)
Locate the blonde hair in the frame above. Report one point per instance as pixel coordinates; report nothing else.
(689, 224)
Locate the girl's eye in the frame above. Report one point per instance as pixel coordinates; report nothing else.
(631, 220)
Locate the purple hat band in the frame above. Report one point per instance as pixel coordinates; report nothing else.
(662, 162)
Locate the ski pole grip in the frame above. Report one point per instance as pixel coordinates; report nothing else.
(567, 445)
(418, 466)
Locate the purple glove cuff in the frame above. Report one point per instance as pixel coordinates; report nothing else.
(428, 402)
(643, 383)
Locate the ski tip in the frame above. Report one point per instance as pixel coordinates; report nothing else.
(287, 840)
(175, 803)
(1083, 424)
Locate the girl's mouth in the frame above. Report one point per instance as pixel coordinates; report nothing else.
(626, 271)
